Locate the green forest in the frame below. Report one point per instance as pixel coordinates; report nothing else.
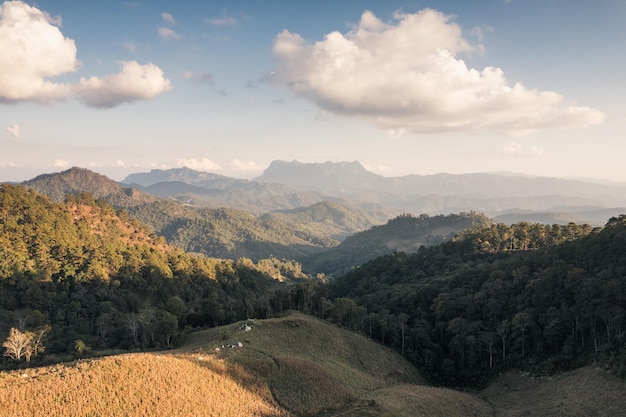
(83, 278)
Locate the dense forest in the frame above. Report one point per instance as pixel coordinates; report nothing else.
(84, 276)
(543, 298)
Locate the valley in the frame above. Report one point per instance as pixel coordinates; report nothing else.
(355, 307)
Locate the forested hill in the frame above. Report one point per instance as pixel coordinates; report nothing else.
(215, 232)
(543, 298)
(405, 233)
(79, 180)
(80, 238)
(91, 277)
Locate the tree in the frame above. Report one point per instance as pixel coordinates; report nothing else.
(403, 318)
(17, 343)
(488, 339)
(36, 345)
(503, 330)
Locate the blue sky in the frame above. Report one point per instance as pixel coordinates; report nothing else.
(405, 87)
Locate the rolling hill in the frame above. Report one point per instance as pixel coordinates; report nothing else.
(290, 366)
(217, 232)
(404, 233)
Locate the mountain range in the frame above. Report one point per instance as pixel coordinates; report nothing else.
(284, 185)
(302, 211)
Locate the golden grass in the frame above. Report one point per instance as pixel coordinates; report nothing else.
(307, 388)
(314, 368)
(130, 385)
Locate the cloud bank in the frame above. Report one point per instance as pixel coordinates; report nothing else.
(34, 51)
(407, 76)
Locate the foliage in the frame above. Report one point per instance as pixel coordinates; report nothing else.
(492, 297)
(546, 298)
(405, 233)
(96, 276)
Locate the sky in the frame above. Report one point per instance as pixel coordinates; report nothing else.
(535, 87)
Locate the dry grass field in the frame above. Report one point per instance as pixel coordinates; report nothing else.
(291, 366)
(130, 385)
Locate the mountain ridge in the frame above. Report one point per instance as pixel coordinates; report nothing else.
(441, 193)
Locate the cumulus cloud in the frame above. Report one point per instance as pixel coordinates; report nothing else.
(14, 130)
(201, 164)
(34, 50)
(134, 82)
(407, 75)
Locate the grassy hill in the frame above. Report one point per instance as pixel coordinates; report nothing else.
(296, 365)
(290, 366)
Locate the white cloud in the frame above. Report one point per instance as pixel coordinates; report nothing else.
(407, 75)
(14, 130)
(134, 82)
(201, 164)
(34, 50)
(59, 163)
(239, 165)
(168, 18)
(167, 33)
(119, 164)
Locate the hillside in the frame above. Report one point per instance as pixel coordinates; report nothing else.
(404, 233)
(200, 188)
(232, 234)
(216, 232)
(290, 366)
(83, 272)
(295, 365)
(333, 219)
(57, 186)
(541, 298)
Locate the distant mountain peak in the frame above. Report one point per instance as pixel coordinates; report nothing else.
(184, 174)
(329, 176)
